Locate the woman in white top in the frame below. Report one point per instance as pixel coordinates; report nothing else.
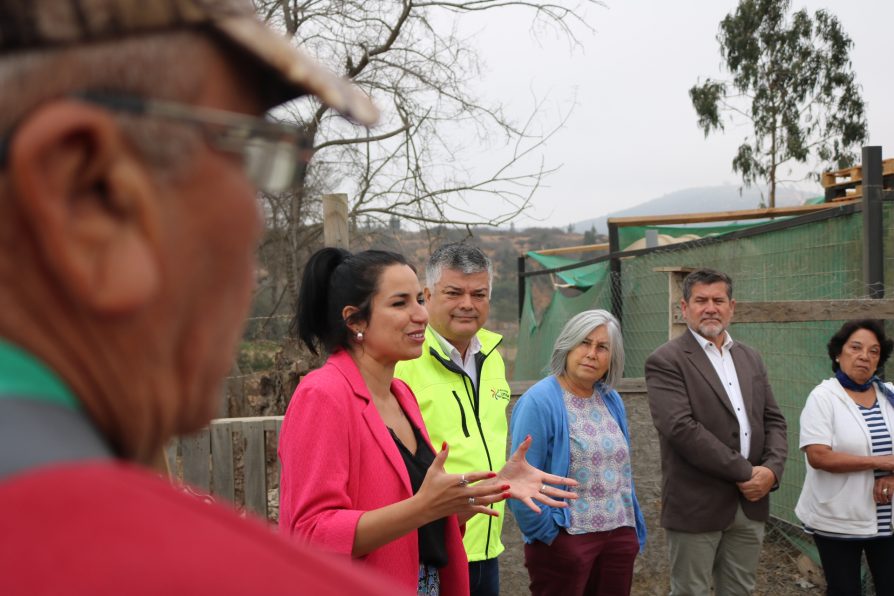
(846, 431)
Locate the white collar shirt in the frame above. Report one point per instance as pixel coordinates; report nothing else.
(723, 364)
(467, 363)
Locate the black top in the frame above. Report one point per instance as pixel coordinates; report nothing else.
(432, 545)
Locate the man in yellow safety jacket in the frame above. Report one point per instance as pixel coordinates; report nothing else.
(460, 383)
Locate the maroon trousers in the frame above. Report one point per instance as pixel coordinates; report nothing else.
(598, 563)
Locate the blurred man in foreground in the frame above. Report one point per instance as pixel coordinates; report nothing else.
(132, 144)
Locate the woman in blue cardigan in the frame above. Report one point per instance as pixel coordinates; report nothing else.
(579, 430)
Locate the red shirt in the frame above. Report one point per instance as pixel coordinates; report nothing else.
(113, 528)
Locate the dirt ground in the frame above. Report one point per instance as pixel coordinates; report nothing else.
(778, 573)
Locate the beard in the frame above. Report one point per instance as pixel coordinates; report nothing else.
(711, 329)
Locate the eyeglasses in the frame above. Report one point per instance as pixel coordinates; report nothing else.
(274, 154)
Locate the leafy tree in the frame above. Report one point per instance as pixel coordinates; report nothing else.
(792, 79)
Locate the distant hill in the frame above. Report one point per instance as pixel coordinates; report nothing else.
(697, 200)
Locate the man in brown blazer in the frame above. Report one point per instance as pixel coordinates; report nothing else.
(723, 444)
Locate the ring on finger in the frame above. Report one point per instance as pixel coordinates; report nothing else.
(471, 500)
(885, 491)
(543, 488)
(463, 481)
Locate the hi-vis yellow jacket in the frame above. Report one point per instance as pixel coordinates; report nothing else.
(473, 423)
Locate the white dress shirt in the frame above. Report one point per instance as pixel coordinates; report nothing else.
(723, 364)
(467, 363)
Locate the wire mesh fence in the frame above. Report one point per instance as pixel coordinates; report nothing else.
(820, 260)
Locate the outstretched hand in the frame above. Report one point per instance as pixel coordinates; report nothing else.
(446, 494)
(528, 484)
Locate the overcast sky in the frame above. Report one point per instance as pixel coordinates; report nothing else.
(632, 135)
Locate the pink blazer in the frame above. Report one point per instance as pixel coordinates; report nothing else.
(339, 461)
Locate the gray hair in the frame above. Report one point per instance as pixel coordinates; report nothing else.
(165, 66)
(458, 256)
(577, 329)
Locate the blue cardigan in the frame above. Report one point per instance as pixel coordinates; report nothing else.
(541, 413)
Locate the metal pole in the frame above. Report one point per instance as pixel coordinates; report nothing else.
(873, 223)
(521, 286)
(614, 267)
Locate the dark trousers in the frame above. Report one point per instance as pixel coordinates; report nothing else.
(841, 560)
(583, 564)
(484, 578)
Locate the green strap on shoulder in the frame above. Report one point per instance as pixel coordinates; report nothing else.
(22, 376)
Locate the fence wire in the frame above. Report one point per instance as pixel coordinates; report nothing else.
(821, 260)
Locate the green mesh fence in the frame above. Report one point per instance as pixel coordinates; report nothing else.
(580, 277)
(532, 360)
(821, 260)
(630, 234)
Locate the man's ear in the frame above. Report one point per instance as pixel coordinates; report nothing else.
(426, 293)
(91, 203)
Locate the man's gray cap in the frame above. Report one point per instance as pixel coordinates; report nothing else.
(42, 24)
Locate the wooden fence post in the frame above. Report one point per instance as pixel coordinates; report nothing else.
(335, 221)
(676, 325)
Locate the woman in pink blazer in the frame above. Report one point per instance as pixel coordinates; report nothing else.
(359, 475)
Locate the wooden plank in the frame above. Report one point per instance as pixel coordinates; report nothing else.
(686, 270)
(625, 385)
(196, 452)
(812, 310)
(631, 385)
(237, 422)
(278, 469)
(675, 276)
(335, 220)
(516, 388)
(689, 218)
(223, 478)
(842, 176)
(255, 467)
(573, 249)
(172, 449)
(850, 194)
(853, 174)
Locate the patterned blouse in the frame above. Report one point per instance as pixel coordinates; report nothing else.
(600, 462)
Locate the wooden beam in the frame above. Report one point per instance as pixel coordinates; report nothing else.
(676, 326)
(625, 385)
(853, 174)
(792, 311)
(690, 218)
(335, 221)
(573, 249)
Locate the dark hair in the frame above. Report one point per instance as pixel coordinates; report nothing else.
(706, 276)
(333, 279)
(836, 344)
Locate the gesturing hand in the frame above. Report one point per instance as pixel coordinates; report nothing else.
(446, 494)
(529, 484)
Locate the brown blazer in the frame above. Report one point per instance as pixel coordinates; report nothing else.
(699, 434)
